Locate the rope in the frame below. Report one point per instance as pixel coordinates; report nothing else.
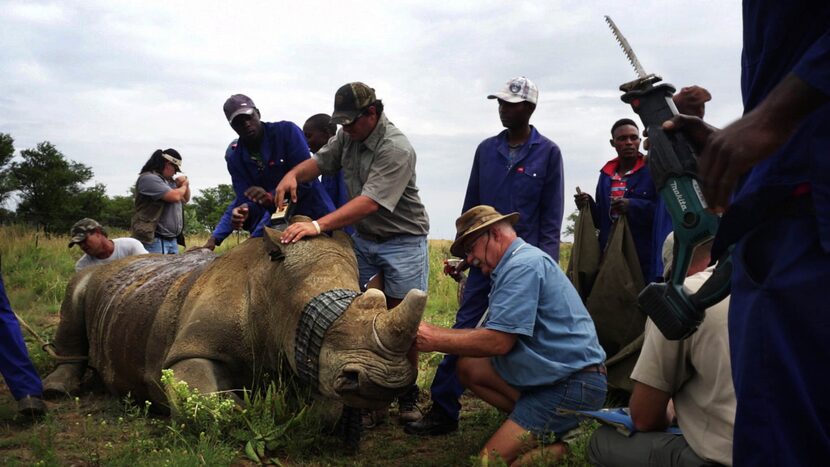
(48, 347)
(377, 337)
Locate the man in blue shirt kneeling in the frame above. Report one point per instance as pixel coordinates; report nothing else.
(537, 352)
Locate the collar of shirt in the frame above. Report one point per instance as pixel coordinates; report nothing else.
(515, 246)
(376, 136)
(523, 150)
(610, 167)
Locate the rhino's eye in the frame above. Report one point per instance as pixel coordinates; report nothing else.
(276, 255)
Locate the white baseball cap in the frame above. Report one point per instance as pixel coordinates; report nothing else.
(517, 90)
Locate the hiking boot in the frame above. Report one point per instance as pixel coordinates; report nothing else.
(436, 422)
(31, 407)
(408, 410)
(376, 417)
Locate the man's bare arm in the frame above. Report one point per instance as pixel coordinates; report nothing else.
(477, 342)
(348, 214)
(302, 172)
(649, 408)
(727, 154)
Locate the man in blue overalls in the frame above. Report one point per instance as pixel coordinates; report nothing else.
(776, 161)
(257, 161)
(15, 365)
(518, 170)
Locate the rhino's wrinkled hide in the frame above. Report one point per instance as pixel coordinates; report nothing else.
(221, 322)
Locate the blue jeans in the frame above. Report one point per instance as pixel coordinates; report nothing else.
(166, 246)
(403, 260)
(537, 409)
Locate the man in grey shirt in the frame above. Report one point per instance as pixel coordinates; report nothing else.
(378, 165)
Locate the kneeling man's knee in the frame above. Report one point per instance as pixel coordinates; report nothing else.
(465, 369)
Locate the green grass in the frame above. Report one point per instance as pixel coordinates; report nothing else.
(100, 430)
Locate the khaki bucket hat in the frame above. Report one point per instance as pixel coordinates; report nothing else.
(474, 222)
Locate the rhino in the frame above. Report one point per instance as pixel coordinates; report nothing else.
(223, 322)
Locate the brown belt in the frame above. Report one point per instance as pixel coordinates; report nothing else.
(595, 369)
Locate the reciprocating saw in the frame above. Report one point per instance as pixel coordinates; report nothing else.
(673, 166)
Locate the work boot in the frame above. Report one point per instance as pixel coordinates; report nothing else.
(31, 407)
(436, 422)
(408, 410)
(374, 417)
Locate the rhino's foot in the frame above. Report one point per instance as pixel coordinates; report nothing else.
(65, 381)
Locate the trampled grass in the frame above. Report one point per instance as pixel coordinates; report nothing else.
(98, 430)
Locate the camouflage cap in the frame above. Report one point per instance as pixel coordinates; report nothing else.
(82, 228)
(349, 102)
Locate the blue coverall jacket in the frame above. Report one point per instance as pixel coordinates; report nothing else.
(642, 201)
(283, 147)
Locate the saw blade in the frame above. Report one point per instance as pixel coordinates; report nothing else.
(629, 52)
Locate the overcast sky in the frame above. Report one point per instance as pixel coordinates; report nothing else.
(108, 82)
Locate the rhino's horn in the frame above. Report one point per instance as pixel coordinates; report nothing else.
(395, 330)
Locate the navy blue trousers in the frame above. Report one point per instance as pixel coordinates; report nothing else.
(446, 389)
(15, 365)
(779, 331)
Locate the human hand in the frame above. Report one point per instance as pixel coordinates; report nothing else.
(294, 232)
(425, 338)
(582, 199)
(288, 184)
(717, 179)
(619, 205)
(691, 100)
(455, 268)
(725, 155)
(696, 131)
(181, 180)
(238, 216)
(258, 195)
(210, 244)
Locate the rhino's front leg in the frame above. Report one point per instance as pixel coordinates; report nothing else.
(206, 375)
(64, 381)
(70, 343)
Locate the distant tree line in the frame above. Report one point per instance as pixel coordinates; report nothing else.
(53, 196)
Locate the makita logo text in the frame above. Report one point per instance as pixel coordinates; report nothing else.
(680, 200)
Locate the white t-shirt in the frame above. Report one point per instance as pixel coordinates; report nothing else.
(697, 373)
(123, 247)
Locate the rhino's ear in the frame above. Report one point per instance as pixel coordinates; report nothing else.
(369, 300)
(271, 243)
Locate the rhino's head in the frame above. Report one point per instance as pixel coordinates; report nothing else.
(363, 357)
(346, 343)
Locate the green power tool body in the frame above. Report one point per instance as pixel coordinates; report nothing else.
(673, 166)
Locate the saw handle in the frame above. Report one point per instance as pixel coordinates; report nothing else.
(669, 154)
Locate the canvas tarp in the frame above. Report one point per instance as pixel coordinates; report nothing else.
(613, 306)
(584, 264)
